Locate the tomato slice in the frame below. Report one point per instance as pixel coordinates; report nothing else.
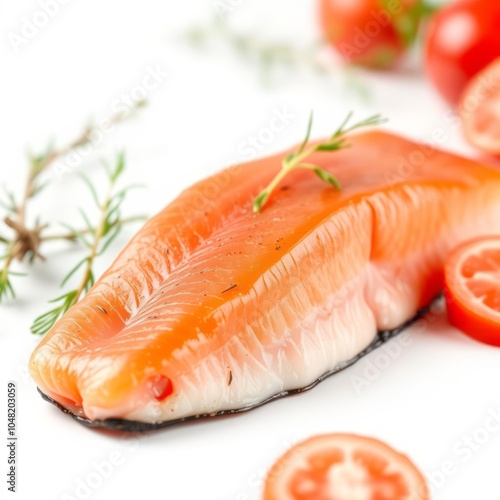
(472, 277)
(344, 467)
(480, 109)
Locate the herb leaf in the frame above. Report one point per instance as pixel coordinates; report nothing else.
(26, 239)
(327, 177)
(295, 160)
(260, 201)
(99, 237)
(308, 134)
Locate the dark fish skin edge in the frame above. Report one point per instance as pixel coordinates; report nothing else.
(121, 425)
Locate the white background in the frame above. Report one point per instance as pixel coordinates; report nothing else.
(438, 389)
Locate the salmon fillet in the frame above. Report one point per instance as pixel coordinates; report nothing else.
(214, 308)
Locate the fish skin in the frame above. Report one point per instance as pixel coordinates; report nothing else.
(207, 287)
(123, 425)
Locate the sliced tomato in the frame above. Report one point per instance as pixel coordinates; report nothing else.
(480, 109)
(344, 467)
(472, 275)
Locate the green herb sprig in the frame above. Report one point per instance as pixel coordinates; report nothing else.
(266, 55)
(96, 238)
(26, 239)
(295, 160)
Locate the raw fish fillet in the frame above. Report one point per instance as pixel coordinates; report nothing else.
(212, 308)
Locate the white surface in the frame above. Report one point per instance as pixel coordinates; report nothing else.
(437, 390)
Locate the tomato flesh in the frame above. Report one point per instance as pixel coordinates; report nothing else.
(473, 289)
(344, 466)
(479, 109)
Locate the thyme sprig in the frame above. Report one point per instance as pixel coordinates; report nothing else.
(96, 238)
(266, 54)
(26, 239)
(295, 160)
(6, 287)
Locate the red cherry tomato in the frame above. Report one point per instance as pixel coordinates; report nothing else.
(372, 33)
(462, 38)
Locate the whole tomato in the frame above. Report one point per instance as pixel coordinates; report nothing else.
(462, 39)
(373, 33)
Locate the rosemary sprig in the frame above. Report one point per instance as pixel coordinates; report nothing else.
(296, 159)
(26, 239)
(96, 238)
